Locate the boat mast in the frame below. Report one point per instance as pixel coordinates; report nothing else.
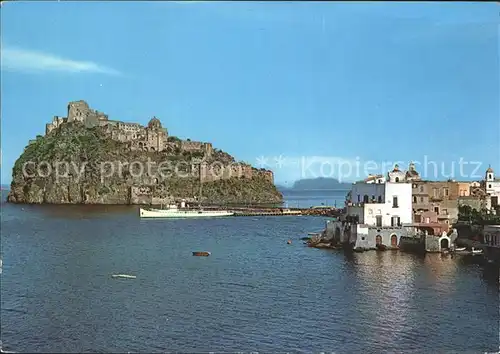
(201, 182)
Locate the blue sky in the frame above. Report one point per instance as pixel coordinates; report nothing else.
(321, 82)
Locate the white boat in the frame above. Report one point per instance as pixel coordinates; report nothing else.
(460, 249)
(182, 213)
(476, 251)
(173, 211)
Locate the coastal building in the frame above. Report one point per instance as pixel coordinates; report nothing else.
(377, 209)
(439, 197)
(492, 235)
(382, 202)
(492, 243)
(381, 209)
(484, 195)
(492, 189)
(474, 184)
(437, 200)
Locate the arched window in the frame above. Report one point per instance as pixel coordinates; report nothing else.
(397, 179)
(365, 198)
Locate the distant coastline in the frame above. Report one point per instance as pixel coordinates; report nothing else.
(316, 185)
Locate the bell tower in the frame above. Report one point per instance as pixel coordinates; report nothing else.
(490, 175)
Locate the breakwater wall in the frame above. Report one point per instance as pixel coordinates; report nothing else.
(275, 211)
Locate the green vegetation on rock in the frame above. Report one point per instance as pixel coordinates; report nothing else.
(66, 166)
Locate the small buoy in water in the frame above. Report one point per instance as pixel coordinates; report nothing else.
(123, 276)
(289, 242)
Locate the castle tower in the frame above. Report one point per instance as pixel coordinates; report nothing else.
(156, 135)
(78, 111)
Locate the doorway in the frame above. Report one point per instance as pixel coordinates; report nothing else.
(444, 244)
(394, 241)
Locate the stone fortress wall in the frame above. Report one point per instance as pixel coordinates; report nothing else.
(154, 137)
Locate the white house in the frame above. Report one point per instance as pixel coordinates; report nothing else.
(377, 210)
(492, 187)
(381, 202)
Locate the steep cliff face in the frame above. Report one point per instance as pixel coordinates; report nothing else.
(74, 164)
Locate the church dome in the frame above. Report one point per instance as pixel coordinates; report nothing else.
(489, 170)
(154, 123)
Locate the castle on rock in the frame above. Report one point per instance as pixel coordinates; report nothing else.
(152, 137)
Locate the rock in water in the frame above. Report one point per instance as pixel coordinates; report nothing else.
(86, 158)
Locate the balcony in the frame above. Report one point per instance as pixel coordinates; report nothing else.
(362, 203)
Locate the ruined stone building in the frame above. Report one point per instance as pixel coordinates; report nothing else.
(154, 137)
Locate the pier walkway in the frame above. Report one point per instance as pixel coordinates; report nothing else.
(268, 213)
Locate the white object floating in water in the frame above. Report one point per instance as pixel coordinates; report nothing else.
(5, 351)
(125, 276)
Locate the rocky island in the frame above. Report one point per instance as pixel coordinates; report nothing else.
(86, 158)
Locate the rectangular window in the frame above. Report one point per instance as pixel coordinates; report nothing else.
(395, 221)
(421, 188)
(379, 220)
(435, 191)
(421, 199)
(436, 210)
(395, 202)
(445, 211)
(414, 199)
(446, 192)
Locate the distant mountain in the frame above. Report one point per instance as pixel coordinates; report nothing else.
(4, 186)
(320, 183)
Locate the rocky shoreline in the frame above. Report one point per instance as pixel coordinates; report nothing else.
(74, 164)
